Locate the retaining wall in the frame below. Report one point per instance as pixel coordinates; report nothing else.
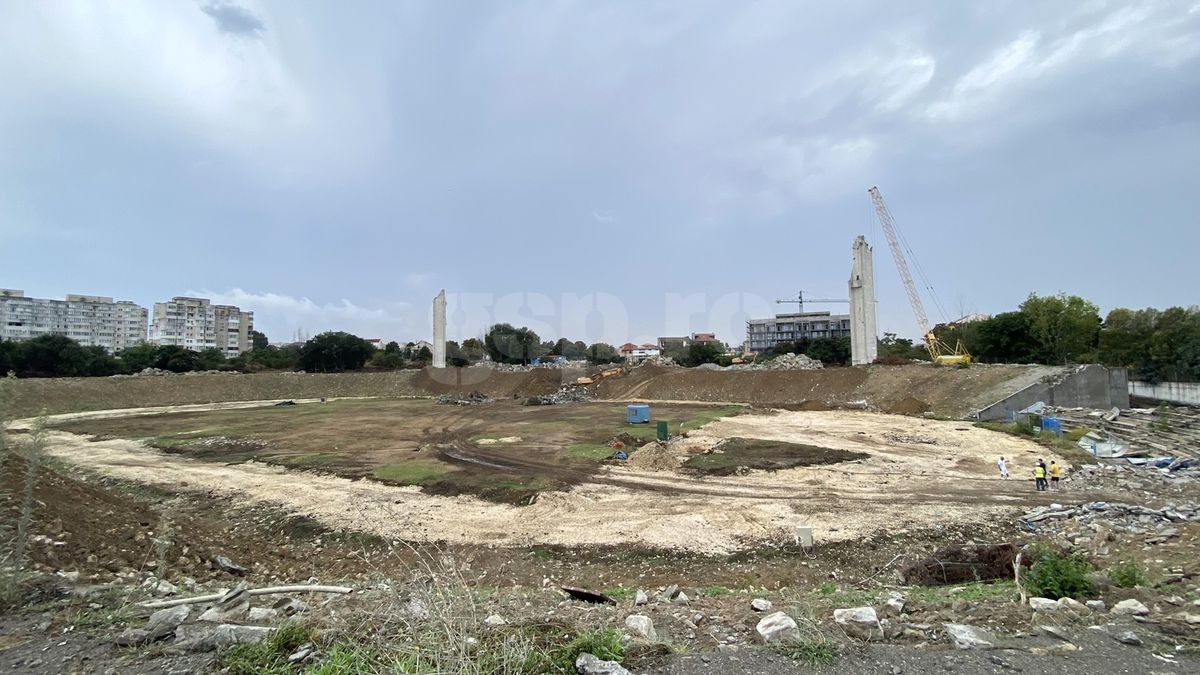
(1090, 386)
(1187, 393)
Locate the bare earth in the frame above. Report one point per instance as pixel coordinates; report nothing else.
(900, 485)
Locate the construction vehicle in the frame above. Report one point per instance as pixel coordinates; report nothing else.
(939, 351)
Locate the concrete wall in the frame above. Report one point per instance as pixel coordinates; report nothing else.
(1175, 392)
(1089, 386)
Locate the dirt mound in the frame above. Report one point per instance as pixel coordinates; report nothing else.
(737, 454)
(908, 406)
(492, 383)
(653, 457)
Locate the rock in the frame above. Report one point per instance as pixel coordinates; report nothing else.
(160, 625)
(1043, 605)
(969, 637)
(228, 565)
(1055, 632)
(495, 620)
(72, 576)
(641, 598)
(300, 654)
(670, 592)
(1129, 638)
(289, 606)
(640, 626)
(1190, 619)
(202, 638)
(590, 664)
(1130, 607)
(760, 605)
(261, 614)
(1073, 605)
(859, 622)
(895, 602)
(680, 598)
(777, 627)
(1095, 605)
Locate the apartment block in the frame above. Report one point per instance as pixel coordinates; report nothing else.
(91, 320)
(197, 324)
(764, 334)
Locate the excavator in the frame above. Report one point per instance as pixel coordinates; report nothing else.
(939, 351)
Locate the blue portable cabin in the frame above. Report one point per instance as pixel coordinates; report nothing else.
(637, 413)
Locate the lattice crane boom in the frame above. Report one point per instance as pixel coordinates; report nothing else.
(889, 231)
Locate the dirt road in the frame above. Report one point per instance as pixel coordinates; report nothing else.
(918, 473)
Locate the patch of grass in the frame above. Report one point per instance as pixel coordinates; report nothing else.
(268, 656)
(594, 451)
(605, 644)
(89, 619)
(811, 651)
(711, 416)
(310, 459)
(1057, 575)
(716, 591)
(973, 592)
(412, 472)
(1127, 574)
(346, 660)
(620, 592)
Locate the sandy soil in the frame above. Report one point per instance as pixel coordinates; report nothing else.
(900, 485)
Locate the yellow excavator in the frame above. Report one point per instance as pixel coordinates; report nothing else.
(939, 351)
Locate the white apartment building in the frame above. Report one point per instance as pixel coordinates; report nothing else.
(91, 320)
(197, 324)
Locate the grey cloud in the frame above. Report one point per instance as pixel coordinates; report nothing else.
(236, 20)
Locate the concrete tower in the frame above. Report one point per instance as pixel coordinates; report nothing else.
(863, 347)
(439, 330)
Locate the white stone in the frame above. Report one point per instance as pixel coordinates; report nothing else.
(590, 664)
(641, 598)
(495, 620)
(760, 605)
(260, 614)
(859, 622)
(1073, 605)
(969, 637)
(895, 601)
(777, 627)
(1131, 607)
(640, 626)
(1043, 605)
(1095, 605)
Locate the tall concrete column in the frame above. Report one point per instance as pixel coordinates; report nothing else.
(863, 346)
(439, 330)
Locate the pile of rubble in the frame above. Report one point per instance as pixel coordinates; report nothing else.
(782, 362)
(661, 361)
(473, 398)
(1092, 525)
(566, 394)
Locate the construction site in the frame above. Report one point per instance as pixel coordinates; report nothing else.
(770, 516)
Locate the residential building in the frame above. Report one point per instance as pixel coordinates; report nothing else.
(197, 324)
(91, 320)
(634, 353)
(763, 334)
(666, 342)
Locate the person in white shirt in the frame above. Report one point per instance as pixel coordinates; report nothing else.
(1003, 467)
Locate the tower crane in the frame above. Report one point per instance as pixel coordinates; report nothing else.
(799, 301)
(938, 350)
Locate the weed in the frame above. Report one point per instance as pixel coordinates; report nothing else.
(162, 544)
(346, 660)
(1162, 418)
(813, 652)
(1057, 575)
(620, 592)
(269, 656)
(1127, 574)
(412, 472)
(716, 591)
(603, 643)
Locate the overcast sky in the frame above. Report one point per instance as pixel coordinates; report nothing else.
(609, 170)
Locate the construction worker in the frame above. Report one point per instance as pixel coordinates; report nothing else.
(1003, 468)
(1039, 476)
(1055, 474)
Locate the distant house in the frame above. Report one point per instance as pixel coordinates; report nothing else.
(416, 346)
(665, 343)
(377, 343)
(632, 352)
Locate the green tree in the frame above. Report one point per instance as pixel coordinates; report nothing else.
(51, 356)
(210, 358)
(506, 344)
(703, 352)
(423, 356)
(138, 357)
(258, 340)
(891, 347)
(830, 351)
(602, 352)
(392, 347)
(335, 352)
(99, 363)
(1064, 328)
(8, 356)
(569, 350)
(473, 350)
(176, 359)
(1004, 338)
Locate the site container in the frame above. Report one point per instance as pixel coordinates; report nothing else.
(637, 413)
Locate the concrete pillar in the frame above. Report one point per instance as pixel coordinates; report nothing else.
(439, 330)
(863, 346)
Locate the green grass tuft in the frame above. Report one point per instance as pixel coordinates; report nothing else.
(1127, 574)
(268, 656)
(412, 472)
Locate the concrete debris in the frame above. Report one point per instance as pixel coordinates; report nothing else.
(777, 627)
(782, 362)
(161, 624)
(1131, 607)
(1043, 604)
(760, 605)
(228, 565)
(969, 637)
(1095, 605)
(473, 398)
(1073, 605)
(1128, 638)
(566, 394)
(859, 622)
(895, 602)
(911, 439)
(590, 664)
(641, 598)
(261, 615)
(289, 606)
(640, 626)
(207, 638)
(495, 620)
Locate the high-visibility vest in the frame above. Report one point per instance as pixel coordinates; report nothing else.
(1039, 472)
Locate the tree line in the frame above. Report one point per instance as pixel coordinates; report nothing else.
(1062, 329)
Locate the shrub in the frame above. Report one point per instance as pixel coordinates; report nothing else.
(1127, 575)
(1057, 575)
(604, 644)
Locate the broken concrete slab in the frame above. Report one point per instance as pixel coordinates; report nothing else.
(777, 627)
